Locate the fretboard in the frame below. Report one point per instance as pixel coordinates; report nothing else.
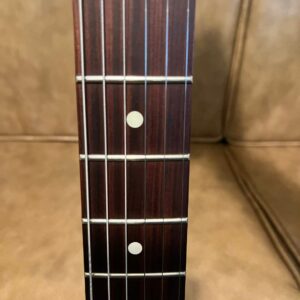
(134, 75)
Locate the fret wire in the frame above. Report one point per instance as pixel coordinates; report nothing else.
(86, 166)
(184, 127)
(83, 79)
(135, 157)
(136, 275)
(105, 143)
(137, 221)
(135, 78)
(125, 140)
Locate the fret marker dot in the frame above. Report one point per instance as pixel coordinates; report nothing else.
(135, 119)
(135, 248)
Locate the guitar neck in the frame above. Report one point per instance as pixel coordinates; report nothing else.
(134, 74)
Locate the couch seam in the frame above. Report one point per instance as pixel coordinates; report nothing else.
(251, 187)
(237, 60)
(287, 251)
(39, 138)
(196, 139)
(255, 143)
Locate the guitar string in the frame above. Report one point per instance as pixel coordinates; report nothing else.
(86, 164)
(165, 136)
(187, 41)
(105, 144)
(125, 142)
(145, 129)
(104, 100)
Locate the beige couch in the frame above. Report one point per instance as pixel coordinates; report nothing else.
(244, 232)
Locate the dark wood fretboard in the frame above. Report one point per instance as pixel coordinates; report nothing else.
(133, 74)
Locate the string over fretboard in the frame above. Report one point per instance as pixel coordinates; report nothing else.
(133, 81)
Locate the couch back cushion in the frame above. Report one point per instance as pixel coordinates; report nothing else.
(37, 90)
(37, 61)
(37, 94)
(216, 22)
(265, 105)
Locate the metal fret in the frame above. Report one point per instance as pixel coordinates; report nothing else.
(134, 275)
(152, 186)
(135, 157)
(135, 79)
(137, 221)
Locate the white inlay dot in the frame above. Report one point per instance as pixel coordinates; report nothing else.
(135, 248)
(135, 119)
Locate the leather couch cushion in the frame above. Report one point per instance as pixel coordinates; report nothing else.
(266, 104)
(271, 177)
(37, 93)
(37, 90)
(229, 256)
(40, 228)
(214, 37)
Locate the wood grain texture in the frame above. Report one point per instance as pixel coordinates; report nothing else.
(167, 120)
(116, 188)
(135, 37)
(163, 250)
(139, 288)
(92, 41)
(136, 188)
(113, 37)
(136, 140)
(156, 37)
(153, 189)
(115, 118)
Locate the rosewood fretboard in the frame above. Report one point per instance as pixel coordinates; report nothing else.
(133, 74)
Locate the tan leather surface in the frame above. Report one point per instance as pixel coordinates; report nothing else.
(229, 255)
(215, 29)
(273, 176)
(40, 229)
(37, 94)
(37, 91)
(266, 105)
